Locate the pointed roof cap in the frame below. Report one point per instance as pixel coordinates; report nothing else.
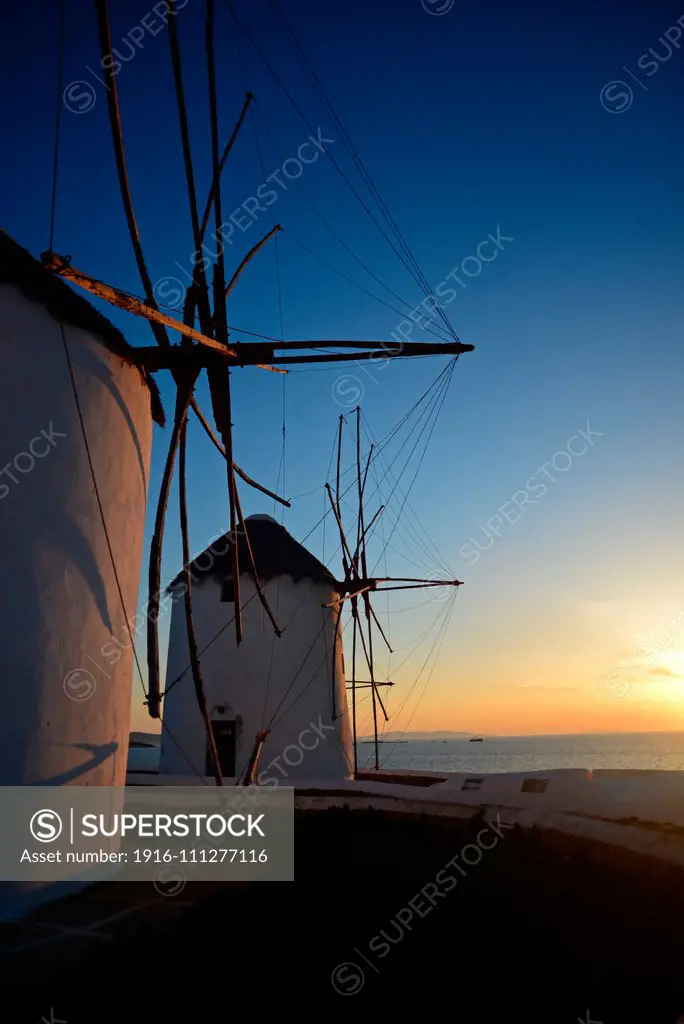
(276, 553)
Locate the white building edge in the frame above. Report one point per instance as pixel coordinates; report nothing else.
(67, 587)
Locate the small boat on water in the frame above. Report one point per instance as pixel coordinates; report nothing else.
(475, 739)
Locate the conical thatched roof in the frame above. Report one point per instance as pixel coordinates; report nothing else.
(276, 553)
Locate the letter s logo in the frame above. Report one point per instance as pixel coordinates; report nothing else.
(45, 826)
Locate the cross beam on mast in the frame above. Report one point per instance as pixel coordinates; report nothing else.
(426, 348)
(361, 550)
(167, 357)
(365, 685)
(254, 353)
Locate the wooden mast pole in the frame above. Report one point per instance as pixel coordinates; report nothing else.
(200, 289)
(183, 402)
(219, 377)
(345, 568)
(361, 549)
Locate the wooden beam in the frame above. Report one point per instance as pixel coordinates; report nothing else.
(252, 565)
(114, 297)
(380, 629)
(193, 649)
(369, 662)
(345, 546)
(183, 395)
(253, 763)
(222, 163)
(389, 349)
(219, 387)
(240, 472)
(338, 357)
(112, 96)
(250, 255)
(184, 357)
(347, 597)
(413, 579)
(365, 686)
(415, 586)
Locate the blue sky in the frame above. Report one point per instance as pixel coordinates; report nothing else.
(485, 119)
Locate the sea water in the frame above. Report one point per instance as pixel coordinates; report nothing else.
(657, 750)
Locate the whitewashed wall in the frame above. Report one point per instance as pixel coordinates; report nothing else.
(646, 795)
(65, 658)
(307, 743)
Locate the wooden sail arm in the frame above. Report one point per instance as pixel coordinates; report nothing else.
(346, 597)
(183, 395)
(156, 358)
(413, 579)
(60, 265)
(379, 354)
(222, 163)
(368, 465)
(339, 523)
(181, 357)
(197, 679)
(366, 685)
(376, 620)
(240, 472)
(415, 586)
(253, 764)
(389, 348)
(259, 487)
(252, 569)
(199, 286)
(338, 506)
(250, 255)
(369, 662)
(366, 532)
(114, 113)
(219, 388)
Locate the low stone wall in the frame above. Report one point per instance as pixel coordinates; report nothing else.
(647, 796)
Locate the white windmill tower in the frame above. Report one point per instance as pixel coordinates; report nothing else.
(75, 439)
(279, 697)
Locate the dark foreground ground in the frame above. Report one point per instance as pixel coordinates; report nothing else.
(542, 927)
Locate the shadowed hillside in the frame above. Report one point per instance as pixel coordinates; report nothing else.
(540, 923)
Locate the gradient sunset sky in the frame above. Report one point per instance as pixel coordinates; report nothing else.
(488, 119)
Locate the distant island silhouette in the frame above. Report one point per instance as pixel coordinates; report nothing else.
(398, 737)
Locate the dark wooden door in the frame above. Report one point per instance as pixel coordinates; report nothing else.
(225, 737)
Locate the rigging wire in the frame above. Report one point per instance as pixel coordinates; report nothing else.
(58, 118)
(427, 414)
(422, 458)
(422, 558)
(208, 645)
(437, 644)
(165, 728)
(338, 238)
(243, 28)
(356, 157)
(381, 446)
(438, 332)
(425, 542)
(431, 672)
(99, 501)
